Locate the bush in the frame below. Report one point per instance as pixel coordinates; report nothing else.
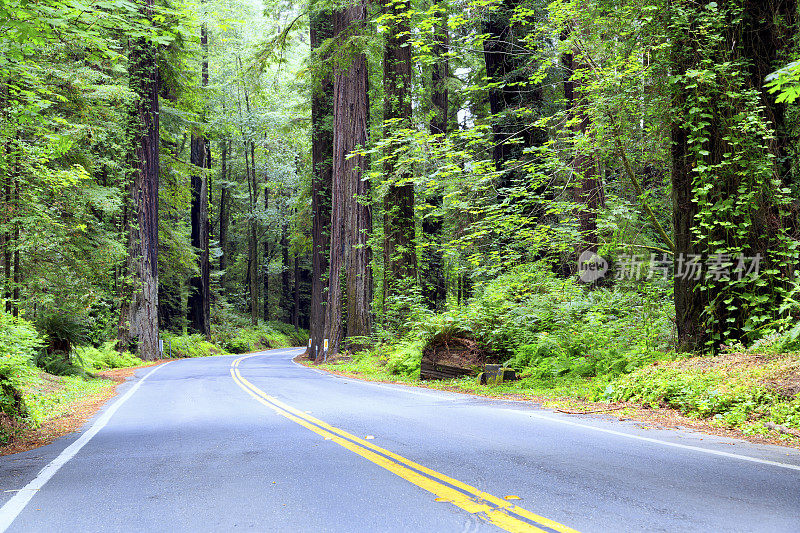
(61, 332)
(105, 357)
(193, 345)
(405, 359)
(732, 391)
(19, 343)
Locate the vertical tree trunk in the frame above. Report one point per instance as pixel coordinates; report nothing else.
(139, 324)
(199, 286)
(286, 297)
(296, 308)
(434, 286)
(351, 221)
(7, 242)
(17, 273)
(511, 90)
(266, 263)
(756, 34)
(399, 245)
(224, 214)
(321, 176)
(589, 192)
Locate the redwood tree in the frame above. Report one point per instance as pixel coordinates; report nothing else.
(400, 258)
(351, 219)
(139, 318)
(199, 286)
(321, 176)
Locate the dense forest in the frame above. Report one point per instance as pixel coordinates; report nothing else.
(577, 186)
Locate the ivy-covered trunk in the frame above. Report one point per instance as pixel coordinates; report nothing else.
(399, 245)
(734, 256)
(139, 319)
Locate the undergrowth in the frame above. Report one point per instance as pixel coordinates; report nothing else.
(606, 344)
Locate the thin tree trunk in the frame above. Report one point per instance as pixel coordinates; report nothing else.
(285, 276)
(296, 309)
(17, 272)
(224, 215)
(8, 243)
(266, 263)
(589, 193)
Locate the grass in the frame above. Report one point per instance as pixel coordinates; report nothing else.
(48, 396)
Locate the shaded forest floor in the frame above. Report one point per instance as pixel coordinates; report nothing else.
(753, 397)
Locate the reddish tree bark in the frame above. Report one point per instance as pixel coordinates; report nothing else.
(139, 318)
(351, 220)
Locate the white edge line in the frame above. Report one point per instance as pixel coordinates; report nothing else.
(404, 388)
(662, 442)
(14, 506)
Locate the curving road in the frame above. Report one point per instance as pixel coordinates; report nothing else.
(258, 443)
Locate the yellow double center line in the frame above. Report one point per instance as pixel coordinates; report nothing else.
(490, 508)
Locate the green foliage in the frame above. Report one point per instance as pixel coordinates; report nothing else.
(733, 393)
(404, 359)
(105, 357)
(61, 331)
(530, 305)
(734, 183)
(190, 345)
(19, 344)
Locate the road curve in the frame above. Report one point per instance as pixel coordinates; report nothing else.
(258, 443)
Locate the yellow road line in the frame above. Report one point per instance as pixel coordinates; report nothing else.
(491, 508)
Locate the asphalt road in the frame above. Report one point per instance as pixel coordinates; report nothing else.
(262, 444)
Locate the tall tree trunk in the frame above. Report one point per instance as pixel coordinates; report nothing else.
(589, 191)
(17, 273)
(286, 297)
(351, 221)
(758, 34)
(511, 89)
(321, 176)
(399, 245)
(252, 189)
(8, 210)
(224, 214)
(139, 322)
(199, 286)
(266, 263)
(296, 308)
(434, 286)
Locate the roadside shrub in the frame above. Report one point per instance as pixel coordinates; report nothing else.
(734, 393)
(105, 356)
(193, 345)
(405, 359)
(61, 332)
(19, 343)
